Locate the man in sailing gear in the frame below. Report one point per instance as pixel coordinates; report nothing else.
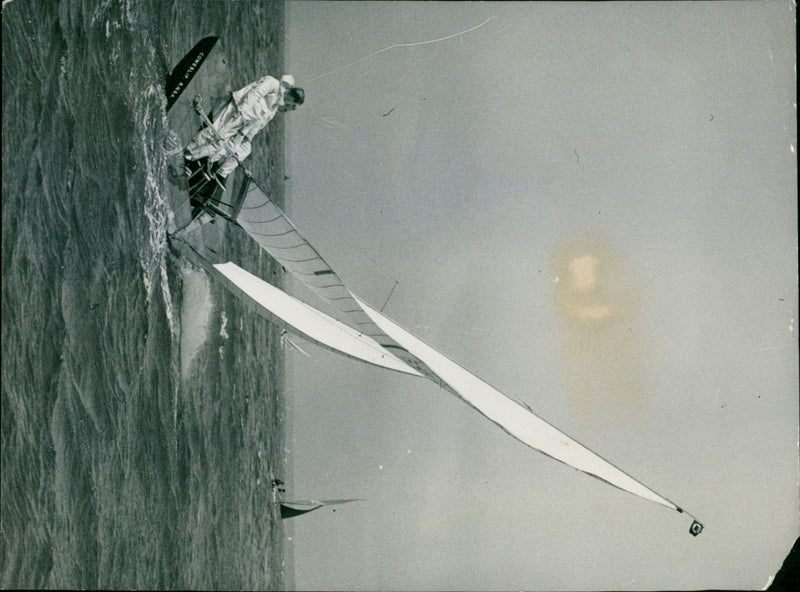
(249, 110)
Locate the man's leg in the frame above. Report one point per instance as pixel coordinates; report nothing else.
(207, 141)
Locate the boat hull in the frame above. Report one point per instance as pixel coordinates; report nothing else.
(193, 184)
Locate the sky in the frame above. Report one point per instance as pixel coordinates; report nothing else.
(593, 208)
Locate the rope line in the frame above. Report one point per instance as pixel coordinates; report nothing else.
(396, 45)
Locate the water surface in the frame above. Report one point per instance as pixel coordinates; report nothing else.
(124, 465)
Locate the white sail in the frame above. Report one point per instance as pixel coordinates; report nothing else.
(307, 321)
(511, 416)
(290, 509)
(269, 226)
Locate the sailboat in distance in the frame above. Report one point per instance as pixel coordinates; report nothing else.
(361, 332)
(291, 509)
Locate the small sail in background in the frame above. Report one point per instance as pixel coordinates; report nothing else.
(290, 509)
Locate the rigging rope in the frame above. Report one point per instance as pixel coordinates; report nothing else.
(396, 45)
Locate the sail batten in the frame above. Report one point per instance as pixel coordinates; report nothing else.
(269, 226)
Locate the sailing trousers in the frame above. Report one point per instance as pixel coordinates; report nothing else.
(211, 142)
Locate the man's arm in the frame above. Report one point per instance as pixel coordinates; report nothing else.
(258, 89)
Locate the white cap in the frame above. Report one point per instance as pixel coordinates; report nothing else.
(288, 79)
